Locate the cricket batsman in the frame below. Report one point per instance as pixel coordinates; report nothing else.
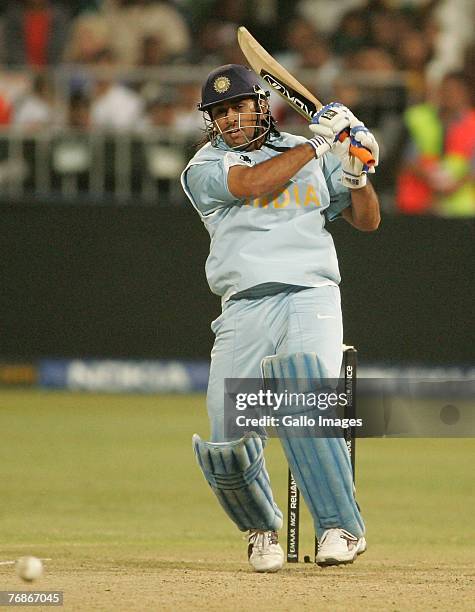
(264, 196)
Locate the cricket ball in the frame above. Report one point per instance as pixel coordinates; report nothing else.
(29, 568)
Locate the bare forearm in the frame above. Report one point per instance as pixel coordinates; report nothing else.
(244, 182)
(364, 212)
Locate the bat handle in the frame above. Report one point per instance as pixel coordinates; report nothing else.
(360, 152)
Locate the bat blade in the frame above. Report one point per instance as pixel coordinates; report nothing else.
(287, 86)
(278, 78)
(302, 104)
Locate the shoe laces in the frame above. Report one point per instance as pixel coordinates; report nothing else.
(261, 539)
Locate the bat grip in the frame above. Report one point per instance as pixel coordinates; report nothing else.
(360, 152)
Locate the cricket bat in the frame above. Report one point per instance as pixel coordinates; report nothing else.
(282, 82)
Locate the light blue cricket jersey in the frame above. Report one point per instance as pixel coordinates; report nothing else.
(278, 238)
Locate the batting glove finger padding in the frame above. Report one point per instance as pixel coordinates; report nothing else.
(323, 130)
(362, 137)
(353, 170)
(334, 116)
(327, 125)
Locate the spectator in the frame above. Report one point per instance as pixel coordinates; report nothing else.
(2, 40)
(326, 16)
(377, 67)
(437, 175)
(231, 52)
(161, 109)
(454, 20)
(352, 33)
(187, 120)
(413, 54)
(175, 107)
(216, 44)
(79, 116)
(78, 7)
(371, 59)
(152, 55)
(376, 97)
(310, 52)
(298, 36)
(217, 35)
(211, 37)
(6, 111)
(266, 18)
(35, 110)
(152, 51)
(198, 12)
(114, 106)
(35, 33)
(325, 66)
(89, 36)
(232, 12)
(469, 67)
(130, 21)
(383, 29)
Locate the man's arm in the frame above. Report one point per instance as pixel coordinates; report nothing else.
(364, 210)
(266, 177)
(263, 178)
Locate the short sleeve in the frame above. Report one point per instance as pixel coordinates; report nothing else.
(206, 183)
(340, 197)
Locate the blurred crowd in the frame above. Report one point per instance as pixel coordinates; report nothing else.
(406, 67)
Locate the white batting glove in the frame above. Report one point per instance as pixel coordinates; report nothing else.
(327, 125)
(354, 171)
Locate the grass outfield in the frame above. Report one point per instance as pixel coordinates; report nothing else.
(107, 487)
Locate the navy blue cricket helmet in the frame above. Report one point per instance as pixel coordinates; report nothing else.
(229, 82)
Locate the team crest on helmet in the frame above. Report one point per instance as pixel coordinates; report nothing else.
(221, 84)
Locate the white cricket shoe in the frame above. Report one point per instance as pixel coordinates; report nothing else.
(264, 551)
(338, 546)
